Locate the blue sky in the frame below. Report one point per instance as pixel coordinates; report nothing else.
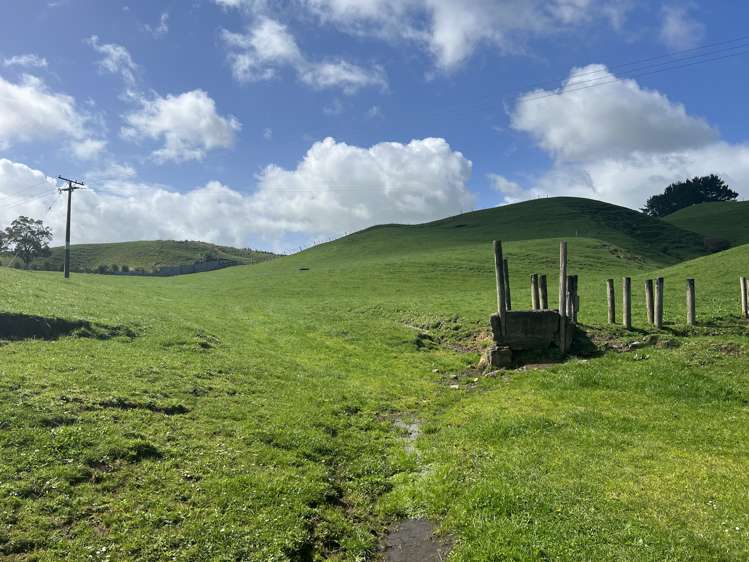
(275, 124)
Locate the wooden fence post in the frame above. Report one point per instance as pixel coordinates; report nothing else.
(577, 298)
(508, 299)
(535, 304)
(649, 301)
(544, 292)
(500, 275)
(744, 286)
(627, 303)
(611, 298)
(691, 313)
(659, 303)
(573, 299)
(563, 296)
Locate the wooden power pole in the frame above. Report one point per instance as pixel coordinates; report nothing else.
(72, 186)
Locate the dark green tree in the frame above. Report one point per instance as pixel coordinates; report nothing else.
(27, 238)
(686, 193)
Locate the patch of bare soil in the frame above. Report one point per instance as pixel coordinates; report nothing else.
(413, 540)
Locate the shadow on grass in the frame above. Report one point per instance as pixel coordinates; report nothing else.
(16, 327)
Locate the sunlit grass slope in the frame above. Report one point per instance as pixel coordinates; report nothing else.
(727, 220)
(566, 217)
(147, 254)
(251, 414)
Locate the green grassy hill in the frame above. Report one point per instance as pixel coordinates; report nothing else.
(726, 220)
(256, 413)
(630, 231)
(149, 255)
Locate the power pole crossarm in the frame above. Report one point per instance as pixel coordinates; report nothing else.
(72, 186)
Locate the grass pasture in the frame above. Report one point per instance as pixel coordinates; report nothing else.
(726, 220)
(250, 413)
(147, 254)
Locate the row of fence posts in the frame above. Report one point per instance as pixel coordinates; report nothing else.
(654, 292)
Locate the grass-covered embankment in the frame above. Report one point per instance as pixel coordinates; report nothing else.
(249, 413)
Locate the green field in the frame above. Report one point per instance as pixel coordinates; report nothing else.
(148, 255)
(254, 413)
(726, 220)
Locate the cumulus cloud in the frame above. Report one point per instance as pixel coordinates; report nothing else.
(679, 29)
(30, 111)
(161, 29)
(88, 149)
(115, 59)
(620, 142)
(451, 30)
(188, 125)
(353, 187)
(335, 188)
(578, 122)
(508, 188)
(27, 60)
(269, 46)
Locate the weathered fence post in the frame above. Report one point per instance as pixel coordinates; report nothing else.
(544, 292)
(649, 301)
(659, 303)
(573, 299)
(577, 299)
(500, 275)
(508, 299)
(744, 286)
(563, 296)
(535, 301)
(611, 298)
(627, 303)
(691, 313)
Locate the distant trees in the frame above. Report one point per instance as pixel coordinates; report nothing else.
(26, 238)
(686, 193)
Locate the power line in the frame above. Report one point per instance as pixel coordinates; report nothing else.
(622, 79)
(28, 201)
(638, 62)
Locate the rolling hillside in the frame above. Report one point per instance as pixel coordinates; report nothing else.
(258, 413)
(630, 231)
(725, 220)
(148, 255)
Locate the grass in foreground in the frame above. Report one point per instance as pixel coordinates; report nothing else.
(252, 415)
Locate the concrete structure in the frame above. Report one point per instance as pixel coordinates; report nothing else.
(527, 330)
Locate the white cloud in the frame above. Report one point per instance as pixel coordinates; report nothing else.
(451, 30)
(268, 133)
(188, 125)
(578, 122)
(161, 29)
(335, 188)
(504, 186)
(88, 149)
(27, 60)
(115, 59)
(339, 187)
(679, 29)
(620, 143)
(29, 111)
(248, 5)
(269, 46)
